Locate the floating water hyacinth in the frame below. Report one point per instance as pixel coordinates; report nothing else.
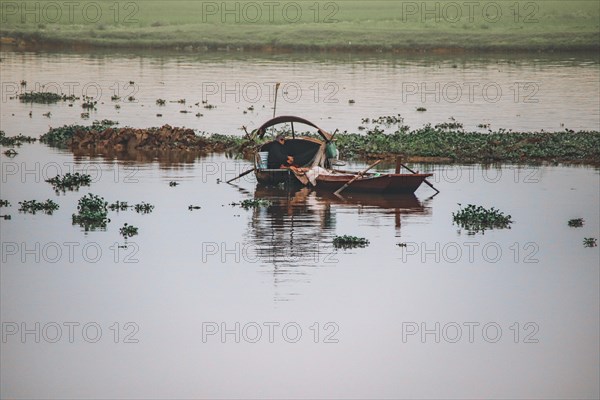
(253, 203)
(32, 206)
(478, 219)
(576, 223)
(119, 206)
(70, 181)
(347, 242)
(128, 231)
(45, 97)
(92, 212)
(14, 140)
(144, 208)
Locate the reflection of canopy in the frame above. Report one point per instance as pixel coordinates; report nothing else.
(260, 132)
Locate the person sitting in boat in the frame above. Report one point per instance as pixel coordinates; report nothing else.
(278, 155)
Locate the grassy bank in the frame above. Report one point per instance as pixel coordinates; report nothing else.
(427, 144)
(344, 25)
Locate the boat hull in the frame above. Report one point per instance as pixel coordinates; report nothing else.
(388, 183)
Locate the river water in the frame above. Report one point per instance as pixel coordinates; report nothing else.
(223, 302)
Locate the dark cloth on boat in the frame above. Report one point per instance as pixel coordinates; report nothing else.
(277, 155)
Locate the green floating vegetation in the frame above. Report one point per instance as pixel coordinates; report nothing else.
(14, 140)
(118, 206)
(387, 120)
(253, 203)
(144, 208)
(6, 217)
(4, 203)
(70, 181)
(92, 212)
(45, 97)
(128, 231)
(590, 242)
(460, 146)
(58, 137)
(173, 184)
(449, 125)
(89, 103)
(347, 242)
(421, 109)
(478, 219)
(33, 206)
(10, 153)
(191, 208)
(161, 102)
(576, 222)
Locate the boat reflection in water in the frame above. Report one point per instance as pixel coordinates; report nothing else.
(295, 233)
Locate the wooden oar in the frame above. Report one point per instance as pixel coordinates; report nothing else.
(425, 180)
(337, 192)
(240, 175)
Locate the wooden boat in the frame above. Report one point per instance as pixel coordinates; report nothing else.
(374, 183)
(310, 152)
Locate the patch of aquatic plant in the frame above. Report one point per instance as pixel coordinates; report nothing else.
(70, 181)
(128, 231)
(253, 203)
(590, 242)
(421, 109)
(463, 146)
(119, 206)
(92, 212)
(14, 140)
(144, 208)
(401, 244)
(478, 219)
(6, 217)
(10, 153)
(375, 131)
(4, 203)
(59, 136)
(449, 125)
(388, 120)
(33, 206)
(194, 208)
(161, 102)
(89, 103)
(45, 97)
(576, 223)
(347, 242)
(173, 184)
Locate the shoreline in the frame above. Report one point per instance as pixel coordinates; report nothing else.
(26, 43)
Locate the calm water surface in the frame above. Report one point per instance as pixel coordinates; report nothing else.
(353, 318)
(531, 94)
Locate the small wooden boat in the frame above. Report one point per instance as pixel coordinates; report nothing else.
(374, 183)
(311, 152)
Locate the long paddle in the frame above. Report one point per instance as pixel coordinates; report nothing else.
(337, 192)
(426, 181)
(240, 175)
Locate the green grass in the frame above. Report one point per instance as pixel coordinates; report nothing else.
(341, 25)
